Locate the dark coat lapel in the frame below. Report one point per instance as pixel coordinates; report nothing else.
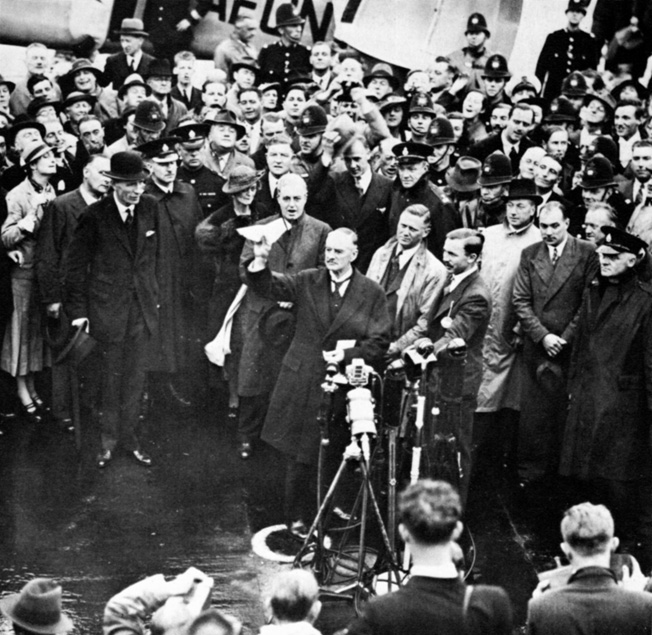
(353, 299)
(115, 221)
(319, 295)
(542, 264)
(452, 298)
(565, 265)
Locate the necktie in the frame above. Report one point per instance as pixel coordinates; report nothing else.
(132, 64)
(513, 157)
(131, 228)
(555, 256)
(358, 185)
(129, 220)
(640, 196)
(337, 285)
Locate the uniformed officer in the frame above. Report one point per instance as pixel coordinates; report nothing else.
(574, 87)
(472, 57)
(420, 117)
(495, 76)
(567, 50)
(441, 139)
(310, 128)
(278, 60)
(207, 183)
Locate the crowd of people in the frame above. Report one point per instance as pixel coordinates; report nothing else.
(305, 208)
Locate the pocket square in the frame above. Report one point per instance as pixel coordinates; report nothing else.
(151, 232)
(381, 209)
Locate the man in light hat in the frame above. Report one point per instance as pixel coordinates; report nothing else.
(36, 610)
(607, 442)
(132, 58)
(287, 55)
(183, 282)
(471, 59)
(113, 290)
(566, 50)
(414, 186)
(208, 185)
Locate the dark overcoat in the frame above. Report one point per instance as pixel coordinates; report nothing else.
(116, 69)
(291, 422)
(300, 248)
(103, 274)
(610, 384)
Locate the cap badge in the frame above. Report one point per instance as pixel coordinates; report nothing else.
(405, 152)
(495, 64)
(422, 101)
(487, 169)
(608, 238)
(474, 20)
(306, 120)
(165, 148)
(590, 172)
(191, 134)
(574, 82)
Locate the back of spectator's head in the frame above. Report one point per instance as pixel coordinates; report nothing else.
(294, 597)
(173, 618)
(430, 511)
(588, 529)
(214, 622)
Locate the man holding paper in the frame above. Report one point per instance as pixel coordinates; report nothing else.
(296, 243)
(341, 315)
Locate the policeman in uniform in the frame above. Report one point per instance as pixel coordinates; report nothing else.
(442, 141)
(287, 56)
(471, 59)
(207, 183)
(567, 50)
(310, 128)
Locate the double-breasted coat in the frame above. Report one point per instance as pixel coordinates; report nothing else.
(291, 422)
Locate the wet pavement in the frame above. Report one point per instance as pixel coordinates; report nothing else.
(99, 531)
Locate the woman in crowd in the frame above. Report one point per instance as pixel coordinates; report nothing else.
(473, 107)
(23, 350)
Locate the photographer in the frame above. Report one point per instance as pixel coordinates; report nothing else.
(172, 605)
(341, 315)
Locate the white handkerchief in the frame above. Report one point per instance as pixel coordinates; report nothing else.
(151, 232)
(272, 231)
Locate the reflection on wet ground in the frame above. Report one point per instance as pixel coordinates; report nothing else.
(99, 531)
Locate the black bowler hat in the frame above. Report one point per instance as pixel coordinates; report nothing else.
(149, 116)
(524, 188)
(127, 166)
(276, 326)
(227, 118)
(617, 241)
(496, 67)
(561, 109)
(159, 149)
(191, 133)
(440, 133)
(477, 24)
(598, 172)
(577, 5)
(496, 170)
(287, 15)
(421, 102)
(574, 85)
(159, 68)
(411, 151)
(463, 176)
(67, 341)
(22, 122)
(313, 120)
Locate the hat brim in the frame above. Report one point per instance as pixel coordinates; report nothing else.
(392, 104)
(296, 21)
(390, 78)
(150, 127)
(234, 190)
(478, 29)
(311, 130)
(78, 348)
(125, 87)
(8, 605)
(610, 250)
(33, 111)
(490, 181)
(23, 125)
(595, 186)
(89, 99)
(116, 176)
(454, 184)
(10, 85)
(589, 97)
(128, 32)
(423, 110)
(442, 141)
(496, 75)
(535, 198)
(240, 130)
(42, 152)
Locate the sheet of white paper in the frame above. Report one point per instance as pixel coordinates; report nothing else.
(272, 231)
(342, 345)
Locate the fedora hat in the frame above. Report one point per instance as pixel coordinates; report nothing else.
(287, 15)
(126, 166)
(132, 26)
(5, 82)
(524, 188)
(276, 326)
(381, 70)
(134, 80)
(37, 608)
(345, 127)
(464, 175)
(76, 96)
(159, 68)
(38, 103)
(34, 151)
(227, 118)
(241, 178)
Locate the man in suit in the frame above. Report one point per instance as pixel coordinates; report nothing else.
(628, 117)
(52, 253)
(184, 91)
(548, 287)
(512, 141)
(159, 79)
(411, 276)
(435, 599)
(359, 197)
(113, 292)
(459, 319)
(132, 58)
(278, 158)
(219, 153)
(332, 305)
(300, 247)
(546, 176)
(592, 600)
(641, 165)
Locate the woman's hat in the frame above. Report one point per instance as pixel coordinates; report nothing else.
(34, 151)
(241, 178)
(77, 95)
(37, 608)
(127, 166)
(464, 175)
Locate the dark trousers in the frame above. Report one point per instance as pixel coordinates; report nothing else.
(124, 365)
(251, 416)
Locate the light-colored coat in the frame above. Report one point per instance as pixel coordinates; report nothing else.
(423, 282)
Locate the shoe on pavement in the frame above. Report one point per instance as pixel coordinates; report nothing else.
(103, 458)
(142, 458)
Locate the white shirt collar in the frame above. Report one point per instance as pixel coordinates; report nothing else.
(457, 278)
(405, 254)
(559, 247)
(273, 182)
(447, 571)
(136, 58)
(89, 199)
(364, 181)
(343, 279)
(122, 208)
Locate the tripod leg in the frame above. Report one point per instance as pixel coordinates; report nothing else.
(391, 495)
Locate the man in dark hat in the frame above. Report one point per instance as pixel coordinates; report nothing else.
(77, 105)
(208, 185)
(310, 128)
(52, 252)
(132, 58)
(381, 81)
(471, 59)
(86, 78)
(159, 79)
(567, 50)
(183, 282)
(495, 76)
(512, 141)
(287, 55)
(420, 115)
(36, 610)
(606, 444)
(495, 177)
(219, 153)
(441, 139)
(548, 289)
(112, 286)
(18, 137)
(414, 186)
